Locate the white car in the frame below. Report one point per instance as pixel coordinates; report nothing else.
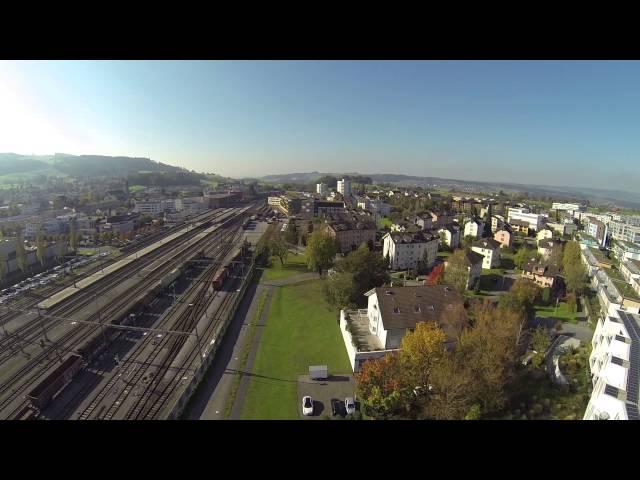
(307, 405)
(349, 405)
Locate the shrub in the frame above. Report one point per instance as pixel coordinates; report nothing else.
(516, 412)
(546, 403)
(538, 409)
(524, 417)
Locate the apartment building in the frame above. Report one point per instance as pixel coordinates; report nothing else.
(568, 207)
(392, 312)
(625, 232)
(490, 250)
(543, 274)
(450, 236)
(474, 228)
(321, 189)
(405, 250)
(504, 237)
(497, 223)
(344, 187)
(350, 233)
(536, 221)
(597, 229)
(615, 368)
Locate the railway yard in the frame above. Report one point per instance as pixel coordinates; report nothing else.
(132, 338)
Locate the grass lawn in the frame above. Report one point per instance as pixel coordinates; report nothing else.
(385, 222)
(443, 254)
(136, 188)
(294, 265)
(301, 330)
(562, 312)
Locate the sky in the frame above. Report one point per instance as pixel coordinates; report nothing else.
(570, 123)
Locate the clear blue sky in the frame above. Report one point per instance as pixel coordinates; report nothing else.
(560, 123)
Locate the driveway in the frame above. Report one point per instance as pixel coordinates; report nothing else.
(335, 388)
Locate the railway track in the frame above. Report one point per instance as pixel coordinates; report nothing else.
(141, 360)
(29, 374)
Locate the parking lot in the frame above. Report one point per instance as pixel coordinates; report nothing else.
(45, 278)
(336, 388)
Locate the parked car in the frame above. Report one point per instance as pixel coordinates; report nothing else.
(336, 406)
(349, 405)
(307, 405)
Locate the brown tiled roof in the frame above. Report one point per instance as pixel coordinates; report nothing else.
(550, 270)
(403, 307)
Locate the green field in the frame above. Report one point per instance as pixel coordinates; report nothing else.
(301, 330)
(562, 312)
(136, 188)
(294, 265)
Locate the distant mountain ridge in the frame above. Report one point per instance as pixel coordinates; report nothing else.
(596, 195)
(79, 165)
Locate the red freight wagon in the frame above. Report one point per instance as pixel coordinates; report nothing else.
(42, 394)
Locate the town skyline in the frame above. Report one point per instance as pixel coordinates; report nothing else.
(556, 123)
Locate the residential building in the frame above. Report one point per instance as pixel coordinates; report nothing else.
(344, 187)
(8, 250)
(405, 250)
(489, 249)
(624, 232)
(543, 274)
(544, 234)
(321, 189)
(474, 228)
(626, 251)
(424, 222)
(403, 226)
(597, 229)
(563, 228)
(614, 364)
(441, 219)
(221, 200)
(497, 223)
(535, 220)
(519, 226)
(504, 237)
(630, 270)
(568, 207)
(450, 236)
(53, 226)
(547, 246)
(473, 261)
(351, 233)
(392, 312)
(325, 208)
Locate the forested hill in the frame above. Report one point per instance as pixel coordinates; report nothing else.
(79, 165)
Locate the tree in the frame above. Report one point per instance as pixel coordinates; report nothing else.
(379, 385)
(21, 256)
(436, 276)
(521, 296)
(575, 277)
(524, 256)
(540, 341)
(546, 296)
(321, 251)
(279, 248)
(456, 272)
(3, 266)
(73, 236)
(290, 234)
(338, 290)
(367, 270)
(41, 247)
(467, 241)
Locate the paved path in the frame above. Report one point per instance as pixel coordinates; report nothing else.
(301, 277)
(209, 401)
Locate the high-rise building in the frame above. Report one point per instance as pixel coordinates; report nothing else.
(321, 188)
(344, 187)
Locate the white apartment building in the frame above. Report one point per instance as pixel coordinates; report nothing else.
(321, 189)
(568, 207)
(344, 187)
(544, 234)
(405, 250)
(391, 313)
(489, 249)
(450, 236)
(625, 232)
(497, 223)
(536, 221)
(273, 201)
(473, 228)
(615, 365)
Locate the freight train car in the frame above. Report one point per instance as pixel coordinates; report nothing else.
(220, 277)
(42, 394)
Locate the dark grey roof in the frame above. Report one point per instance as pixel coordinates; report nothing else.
(474, 257)
(413, 237)
(486, 243)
